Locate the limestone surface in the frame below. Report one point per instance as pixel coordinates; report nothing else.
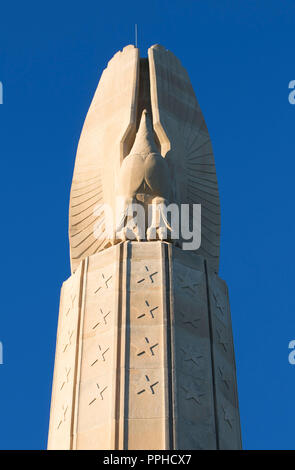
(144, 352)
(179, 162)
(144, 356)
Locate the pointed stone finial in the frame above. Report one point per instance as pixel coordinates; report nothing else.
(144, 141)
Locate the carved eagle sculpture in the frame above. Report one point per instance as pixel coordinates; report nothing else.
(144, 178)
(145, 140)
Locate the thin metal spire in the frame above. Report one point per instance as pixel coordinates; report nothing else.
(135, 35)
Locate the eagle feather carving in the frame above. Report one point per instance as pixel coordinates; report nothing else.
(144, 139)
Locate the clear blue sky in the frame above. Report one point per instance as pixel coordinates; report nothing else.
(240, 57)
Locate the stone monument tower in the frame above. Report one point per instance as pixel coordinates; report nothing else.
(144, 353)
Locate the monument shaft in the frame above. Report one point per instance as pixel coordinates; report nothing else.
(144, 356)
(144, 353)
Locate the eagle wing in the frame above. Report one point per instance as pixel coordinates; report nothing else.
(185, 143)
(105, 140)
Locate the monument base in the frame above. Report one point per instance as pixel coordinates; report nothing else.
(144, 354)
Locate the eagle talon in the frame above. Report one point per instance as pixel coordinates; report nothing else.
(126, 234)
(162, 233)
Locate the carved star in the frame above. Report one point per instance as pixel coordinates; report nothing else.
(222, 339)
(152, 310)
(103, 318)
(219, 302)
(150, 387)
(191, 392)
(99, 393)
(149, 349)
(228, 417)
(63, 417)
(190, 319)
(66, 377)
(150, 276)
(191, 354)
(102, 354)
(224, 376)
(68, 342)
(187, 283)
(104, 283)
